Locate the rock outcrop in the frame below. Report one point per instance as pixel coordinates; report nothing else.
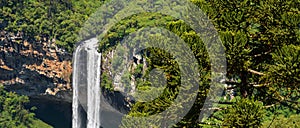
(34, 68)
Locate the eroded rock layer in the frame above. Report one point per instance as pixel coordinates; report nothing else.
(34, 68)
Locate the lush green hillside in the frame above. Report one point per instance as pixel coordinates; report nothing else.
(55, 19)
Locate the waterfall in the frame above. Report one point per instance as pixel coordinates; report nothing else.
(86, 85)
(93, 108)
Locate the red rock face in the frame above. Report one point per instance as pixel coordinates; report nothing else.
(34, 68)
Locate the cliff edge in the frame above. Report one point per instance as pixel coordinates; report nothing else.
(35, 68)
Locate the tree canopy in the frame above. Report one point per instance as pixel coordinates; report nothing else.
(13, 114)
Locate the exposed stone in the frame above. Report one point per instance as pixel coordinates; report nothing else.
(33, 68)
(117, 75)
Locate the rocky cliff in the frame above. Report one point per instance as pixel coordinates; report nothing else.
(35, 68)
(43, 71)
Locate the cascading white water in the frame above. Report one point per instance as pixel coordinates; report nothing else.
(86, 85)
(76, 122)
(93, 94)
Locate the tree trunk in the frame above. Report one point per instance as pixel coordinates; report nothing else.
(244, 84)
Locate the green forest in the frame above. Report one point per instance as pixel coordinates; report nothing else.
(262, 48)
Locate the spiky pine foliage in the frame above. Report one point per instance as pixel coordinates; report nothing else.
(244, 113)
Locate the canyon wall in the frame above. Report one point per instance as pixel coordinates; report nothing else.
(43, 71)
(35, 68)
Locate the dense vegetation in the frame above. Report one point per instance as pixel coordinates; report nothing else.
(262, 50)
(13, 114)
(261, 39)
(56, 20)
